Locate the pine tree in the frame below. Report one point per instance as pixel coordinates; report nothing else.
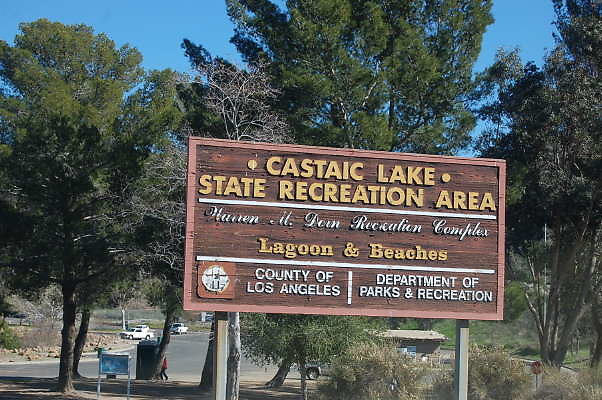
(388, 75)
(77, 119)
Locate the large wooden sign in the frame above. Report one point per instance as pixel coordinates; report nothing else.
(296, 229)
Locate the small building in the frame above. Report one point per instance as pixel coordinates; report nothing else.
(416, 343)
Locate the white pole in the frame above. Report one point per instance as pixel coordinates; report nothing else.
(220, 358)
(461, 375)
(545, 271)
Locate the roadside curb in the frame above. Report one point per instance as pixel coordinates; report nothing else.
(118, 350)
(54, 360)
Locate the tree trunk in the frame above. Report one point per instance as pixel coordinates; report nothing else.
(233, 374)
(65, 381)
(555, 326)
(303, 372)
(206, 382)
(569, 327)
(165, 339)
(80, 341)
(123, 319)
(596, 353)
(283, 370)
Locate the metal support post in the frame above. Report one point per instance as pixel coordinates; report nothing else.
(461, 375)
(220, 356)
(129, 375)
(98, 382)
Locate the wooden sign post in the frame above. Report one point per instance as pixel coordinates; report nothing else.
(305, 230)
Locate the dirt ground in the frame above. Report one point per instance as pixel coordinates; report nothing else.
(42, 389)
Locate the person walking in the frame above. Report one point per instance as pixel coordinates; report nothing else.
(164, 369)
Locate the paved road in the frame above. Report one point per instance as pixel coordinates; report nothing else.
(185, 354)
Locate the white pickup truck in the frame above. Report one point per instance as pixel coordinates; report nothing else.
(139, 332)
(178, 329)
(143, 327)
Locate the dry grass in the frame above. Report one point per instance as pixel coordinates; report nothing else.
(586, 385)
(43, 335)
(372, 372)
(492, 375)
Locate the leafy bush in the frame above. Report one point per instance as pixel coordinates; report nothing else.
(372, 372)
(492, 375)
(8, 339)
(562, 385)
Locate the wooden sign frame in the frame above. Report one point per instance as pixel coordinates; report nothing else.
(422, 237)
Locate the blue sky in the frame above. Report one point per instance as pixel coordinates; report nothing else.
(157, 28)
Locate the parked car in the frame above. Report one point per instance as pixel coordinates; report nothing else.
(178, 329)
(137, 333)
(126, 334)
(14, 314)
(314, 370)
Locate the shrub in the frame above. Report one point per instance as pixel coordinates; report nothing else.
(492, 375)
(8, 339)
(563, 385)
(372, 372)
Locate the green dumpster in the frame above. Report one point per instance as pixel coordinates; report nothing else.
(147, 352)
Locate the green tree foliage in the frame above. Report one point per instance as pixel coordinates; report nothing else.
(548, 127)
(274, 338)
(515, 303)
(372, 371)
(78, 116)
(5, 306)
(8, 339)
(579, 26)
(388, 75)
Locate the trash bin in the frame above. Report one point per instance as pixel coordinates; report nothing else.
(147, 352)
(99, 351)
